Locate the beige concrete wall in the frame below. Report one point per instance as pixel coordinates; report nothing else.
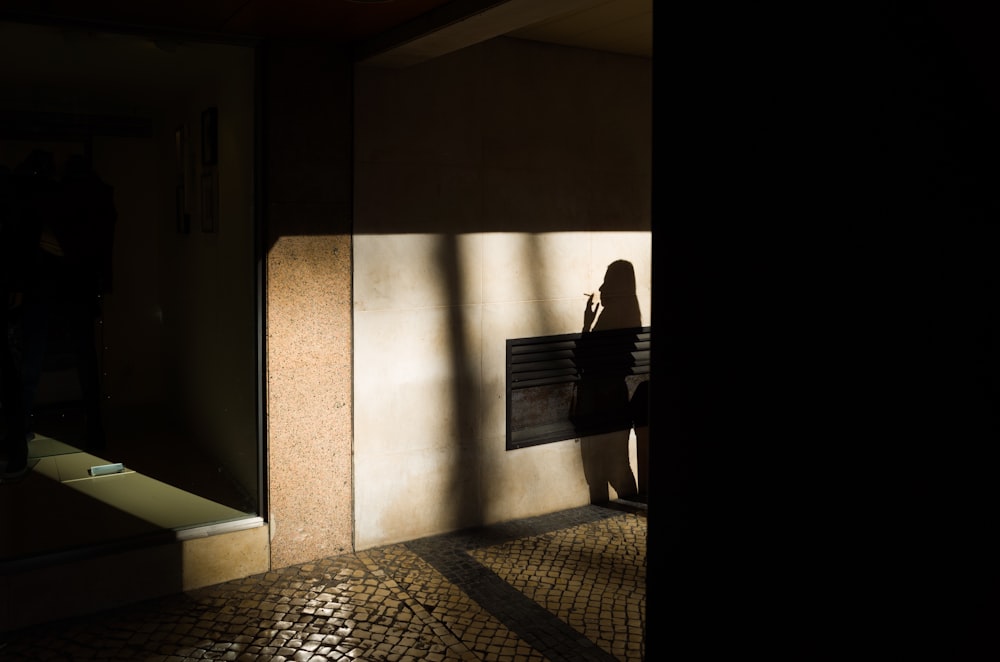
(493, 188)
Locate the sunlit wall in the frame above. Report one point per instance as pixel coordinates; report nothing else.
(493, 187)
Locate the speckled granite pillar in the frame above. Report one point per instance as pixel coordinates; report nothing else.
(307, 169)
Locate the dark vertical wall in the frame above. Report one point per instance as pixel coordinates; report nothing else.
(938, 117)
(848, 331)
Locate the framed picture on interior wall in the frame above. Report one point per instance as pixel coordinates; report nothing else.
(210, 136)
(209, 200)
(182, 189)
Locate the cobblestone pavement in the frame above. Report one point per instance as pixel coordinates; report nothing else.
(565, 586)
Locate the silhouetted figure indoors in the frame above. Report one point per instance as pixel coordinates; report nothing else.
(15, 441)
(16, 238)
(70, 270)
(602, 394)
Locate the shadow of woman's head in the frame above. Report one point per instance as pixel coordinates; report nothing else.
(619, 280)
(621, 307)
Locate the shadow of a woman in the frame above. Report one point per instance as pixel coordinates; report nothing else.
(601, 412)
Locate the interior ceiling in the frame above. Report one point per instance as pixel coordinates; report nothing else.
(386, 32)
(129, 57)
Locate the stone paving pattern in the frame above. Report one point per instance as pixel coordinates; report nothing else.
(565, 586)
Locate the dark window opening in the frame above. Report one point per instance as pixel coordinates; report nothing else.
(574, 385)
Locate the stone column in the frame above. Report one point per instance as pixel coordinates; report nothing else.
(307, 164)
